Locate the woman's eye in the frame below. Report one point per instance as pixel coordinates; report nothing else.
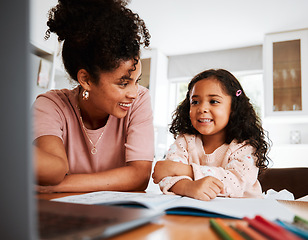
(194, 102)
(138, 80)
(123, 84)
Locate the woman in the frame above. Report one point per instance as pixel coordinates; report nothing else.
(98, 136)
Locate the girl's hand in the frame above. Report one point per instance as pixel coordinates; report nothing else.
(205, 189)
(170, 168)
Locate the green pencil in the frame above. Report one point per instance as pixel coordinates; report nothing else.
(301, 222)
(218, 229)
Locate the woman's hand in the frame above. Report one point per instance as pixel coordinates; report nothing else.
(132, 177)
(45, 189)
(51, 164)
(170, 168)
(205, 189)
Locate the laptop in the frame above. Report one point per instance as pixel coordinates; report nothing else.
(21, 215)
(59, 220)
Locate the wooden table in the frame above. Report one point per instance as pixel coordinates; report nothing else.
(171, 227)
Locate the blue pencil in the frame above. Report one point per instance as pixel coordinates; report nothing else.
(294, 229)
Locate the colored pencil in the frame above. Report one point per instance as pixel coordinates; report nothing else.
(232, 233)
(275, 227)
(250, 232)
(269, 229)
(301, 222)
(219, 230)
(293, 228)
(242, 233)
(263, 229)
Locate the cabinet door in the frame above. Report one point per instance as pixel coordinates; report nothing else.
(286, 73)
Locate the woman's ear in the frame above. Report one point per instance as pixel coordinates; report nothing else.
(83, 78)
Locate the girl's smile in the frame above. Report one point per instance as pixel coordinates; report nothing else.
(205, 120)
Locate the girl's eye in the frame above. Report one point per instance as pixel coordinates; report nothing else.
(194, 102)
(214, 101)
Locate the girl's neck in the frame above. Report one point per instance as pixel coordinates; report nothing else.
(212, 142)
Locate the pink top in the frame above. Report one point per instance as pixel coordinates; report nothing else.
(233, 164)
(127, 139)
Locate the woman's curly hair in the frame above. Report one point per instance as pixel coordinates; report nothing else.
(98, 34)
(243, 125)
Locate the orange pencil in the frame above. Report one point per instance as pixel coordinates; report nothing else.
(231, 232)
(250, 232)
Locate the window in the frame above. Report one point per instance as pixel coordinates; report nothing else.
(251, 83)
(253, 87)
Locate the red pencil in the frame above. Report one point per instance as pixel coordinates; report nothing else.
(270, 229)
(250, 232)
(286, 234)
(264, 229)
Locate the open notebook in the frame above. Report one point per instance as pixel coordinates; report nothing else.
(173, 204)
(57, 220)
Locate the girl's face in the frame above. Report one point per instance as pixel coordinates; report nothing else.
(115, 91)
(210, 107)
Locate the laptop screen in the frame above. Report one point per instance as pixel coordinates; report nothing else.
(17, 206)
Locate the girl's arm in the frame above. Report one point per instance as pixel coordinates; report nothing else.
(239, 175)
(204, 189)
(174, 168)
(167, 168)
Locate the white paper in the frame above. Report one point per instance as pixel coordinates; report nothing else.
(281, 195)
(235, 207)
(150, 200)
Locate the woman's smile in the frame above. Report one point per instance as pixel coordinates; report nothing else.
(125, 106)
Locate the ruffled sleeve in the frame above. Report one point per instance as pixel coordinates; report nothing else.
(177, 153)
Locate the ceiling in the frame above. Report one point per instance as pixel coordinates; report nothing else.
(189, 26)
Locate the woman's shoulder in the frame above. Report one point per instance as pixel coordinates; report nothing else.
(60, 97)
(143, 95)
(142, 90)
(142, 103)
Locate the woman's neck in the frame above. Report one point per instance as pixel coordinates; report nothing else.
(90, 117)
(212, 142)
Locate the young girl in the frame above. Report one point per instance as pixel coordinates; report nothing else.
(220, 144)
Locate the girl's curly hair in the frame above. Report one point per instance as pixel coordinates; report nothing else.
(243, 125)
(98, 34)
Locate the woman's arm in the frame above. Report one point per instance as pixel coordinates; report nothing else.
(132, 177)
(52, 167)
(51, 163)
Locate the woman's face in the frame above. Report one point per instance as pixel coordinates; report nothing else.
(115, 91)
